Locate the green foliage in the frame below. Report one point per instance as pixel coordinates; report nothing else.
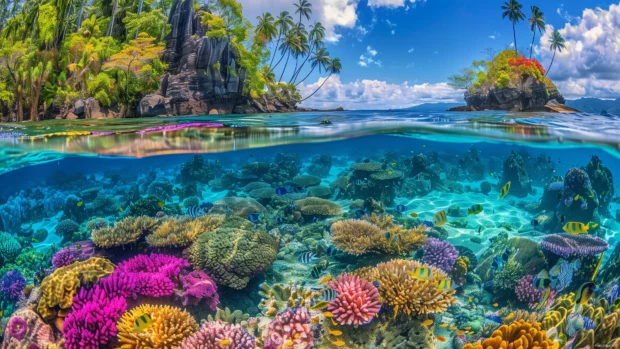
(152, 23)
(47, 24)
(503, 80)
(463, 80)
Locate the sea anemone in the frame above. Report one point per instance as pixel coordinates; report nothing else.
(357, 302)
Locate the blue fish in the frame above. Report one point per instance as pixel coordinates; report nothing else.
(331, 250)
(376, 284)
(535, 222)
(281, 191)
(360, 213)
(388, 235)
(315, 219)
(280, 220)
(401, 208)
(255, 217)
(206, 206)
(429, 224)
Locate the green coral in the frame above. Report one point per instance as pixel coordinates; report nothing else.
(507, 278)
(66, 228)
(320, 192)
(191, 201)
(235, 252)
(148, 206)
(225, 315)
(306, 180)
(196, 170)
(317, 207)
(9, 247)
(237, 206)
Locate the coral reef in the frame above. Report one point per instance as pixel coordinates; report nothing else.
(291, 325)
(181, 232)
(197, 285)
(170, 327)
(519, 334)
(317, 207)
(12, 285)
(196, 170)
(357, 302)
(320, 166)
(234, 253)
(211, 334)
(126, 231)
(156, 274)
(25, 329)
(9, 247)
(568, 245)
(66, 229)
(237, 206)
(76, 252)
(507, 278)
(440, 254)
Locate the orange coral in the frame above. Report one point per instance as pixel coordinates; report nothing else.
(518, 335)
(398, 288)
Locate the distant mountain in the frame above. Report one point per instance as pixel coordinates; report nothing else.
(426, 107)
(595, 105)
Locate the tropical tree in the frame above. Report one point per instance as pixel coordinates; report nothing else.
(300, 50)
(320, 60)
(304, 9)
(291, 43)
(334, 67)
(557, 44)
(537, 21)
(283, 23)
(512, 10)
(266, 27)
(316, 35)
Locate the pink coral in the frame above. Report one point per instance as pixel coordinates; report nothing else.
(357, 302)
(292, 324)
(527, 293)
(198, 285)
(155, 274)
(213, 332)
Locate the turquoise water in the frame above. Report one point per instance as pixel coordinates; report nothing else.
(409, 214)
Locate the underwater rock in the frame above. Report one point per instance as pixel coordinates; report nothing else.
(320, 166)
(66, 228)
(540, 169)
(602, 183)
(579, 202)
(470, 165)
(237, 206)
(196, 170)
(514, 171)
(485, 187)
(423, 169)
(25, 329)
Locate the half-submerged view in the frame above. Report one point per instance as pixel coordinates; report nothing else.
(256, 174)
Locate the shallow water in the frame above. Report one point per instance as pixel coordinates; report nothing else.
(368, 168)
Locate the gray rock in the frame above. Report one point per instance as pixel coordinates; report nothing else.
(152, 105)
(78, 107)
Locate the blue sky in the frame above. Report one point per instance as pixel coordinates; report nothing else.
(401, 52)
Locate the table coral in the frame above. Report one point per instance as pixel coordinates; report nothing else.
(212, 333)
(237, 206)
(170, 327)
(234, 253)
(357, 302)
(518, 335)
(568, 245)
(306, 180)
(126, 231)
(397, 288)
(317, 207)
(57, 289)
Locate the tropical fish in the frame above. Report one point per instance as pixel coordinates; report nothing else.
(121, 210)
(474, 209)
(320, 305)
(440, 218)
(496, 305)
(255, 217)
(395, 311)
(195, 211)
(335, 333)
(206, 206)
(401, 208)
(338, 343)
(499, 261)
(444, 325)
(307, 257)
(143, 323)
(315, 272)
(440, 338)
(325, 279)
(584, 293)
(413, 215)
(427, 322)
(535, 222)
(504, 191)
(453, 328)
(375, 284)
(390, 172)
(422, 273)
(161, 204)
(281, 191)
(470, 299)
(328, 314)
(279, 220)
(446, 284)
(467, 328)
(329, 295)
(80, 203)
(509, 316)
(360, 213)
(223, 341)
(394, 163)
(542, 280)
(576, 228)
(460, 333)
(598, 266)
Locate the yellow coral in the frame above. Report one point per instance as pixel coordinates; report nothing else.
(170, 326)
(125, 231)
(317, 207)
(57, 289)
(518, 335)
(184, 231)
(355, 236)
(397, 288)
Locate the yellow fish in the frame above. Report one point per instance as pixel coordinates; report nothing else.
(413, 215)
(316, 320)
(470, 333)
(320, 305)
(576, 197)
(444, 325)
(335, 333)
(474, 209)
(422, 273)
(598, 265)
(288, 343)
(510, 316)
(390, 172)
(328, 314)
(445, 284)
(440, 338)
(495, 304)
(393, 163)
(441, 218)
(223, 341)
(143, 323)
(460, 333)
(121, 210)
(467, 328)
(470, 299)
(576, 228)
(427, 322)
(504, 191)
(161, 204)
(325, 279)
(80, 203)
(338, 343)
(453, 328)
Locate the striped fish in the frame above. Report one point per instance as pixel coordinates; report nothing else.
(504, 191)
(576, 228)
(441, 218)
(307, 257)
(143, 323)
(195, 211)
(329, 295)
(446, 284)
(423, 273)
(474, 209)
(315, 272)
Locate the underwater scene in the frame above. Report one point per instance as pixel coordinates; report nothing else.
(345, 230)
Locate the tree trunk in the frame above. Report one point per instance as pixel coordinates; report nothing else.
(296, 74)
(79, 19)
(294, 70)
(112, 18)
(275, 50)
(20, 106)
(285, 64)
(532, 45)
(547, 72)
(514, 33)
(305, 77)
(139, 12)
(317, 90)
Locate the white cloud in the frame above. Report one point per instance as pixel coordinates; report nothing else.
(390, 24)
(590, 64)
(375, 94)
(411, 50)
(371, 51)
(393, 32)
(564, 14)
(367, 58)
(386, 3)
(491, 36)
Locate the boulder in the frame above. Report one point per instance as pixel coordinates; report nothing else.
(79, 106)
(93, 110)
(152, 105)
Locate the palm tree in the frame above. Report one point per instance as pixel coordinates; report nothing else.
(316, 35)
(334, 67)
(112, 18)
(291, 43)
(283, 23)
(512, 10)
(301, 50)
(557, 44)
(320, 59)
(537, 21)
(266, 27)
(304, 8)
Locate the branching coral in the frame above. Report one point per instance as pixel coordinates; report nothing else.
(229, 317)
(279, 296)
(155, 274)
(440, 254)
(357, 302)
(170, 326)
(409, 295)
(355, 236)
(212, 334)
(182, 232)
(124, 232)
(317, 207)
(12, 285)
(507, 278)
(520, 334)
(234, 252)
(291, 325)
(78, 251)
(57, 289)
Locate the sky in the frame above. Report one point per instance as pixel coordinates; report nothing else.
(399, 53)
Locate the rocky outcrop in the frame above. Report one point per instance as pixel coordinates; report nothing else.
(532, 95)
(87, 109)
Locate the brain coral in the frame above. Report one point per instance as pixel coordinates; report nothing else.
(317, 207)
(518, 335)
(124, 232)
(57, 289)
(213, 332)
(405, 293)
(240, 207)
(170, 327)
(235, 252)
(182, 232)
(25, 329)
(357, 302)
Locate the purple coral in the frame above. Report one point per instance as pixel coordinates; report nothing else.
(440, 254)
(12, 285)
(198, 285)
(290, 325)
(568, 245)
(213, 332)
(526, 292)
(79, 251)
(17, 328)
